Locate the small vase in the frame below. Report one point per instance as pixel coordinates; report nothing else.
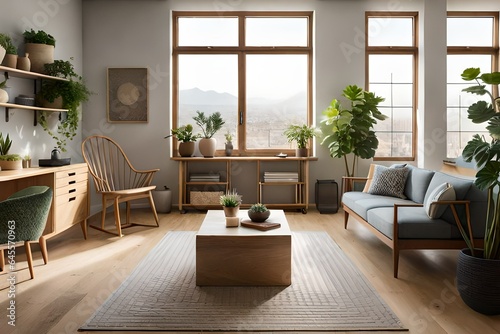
(229, 148)
(55, 154)
(24, 63)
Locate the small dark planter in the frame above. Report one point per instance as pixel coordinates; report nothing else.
(258, 217)
(478, 282)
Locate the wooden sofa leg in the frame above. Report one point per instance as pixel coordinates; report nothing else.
(395, 258)
(346, 219)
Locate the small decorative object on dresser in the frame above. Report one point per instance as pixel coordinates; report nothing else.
(258, 213)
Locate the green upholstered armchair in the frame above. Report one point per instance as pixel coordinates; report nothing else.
(22, 219)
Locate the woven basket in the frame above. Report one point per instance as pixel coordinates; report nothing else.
(478, 282)
(205, 197)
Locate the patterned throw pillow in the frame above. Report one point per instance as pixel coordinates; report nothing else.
(443, 192)
(389, 181)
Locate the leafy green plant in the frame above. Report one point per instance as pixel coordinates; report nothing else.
(209, 124)
(73, 92)
(486, 154)
(347, 131)
(6, 43)
(3, 84)
(230, 199)
(228, 136)
(10, 157)
(39, 37)
(184, 134)
(258, 207)
(5, 144)
(300, 134)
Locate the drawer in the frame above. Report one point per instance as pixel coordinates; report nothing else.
(69, 177)
(67, 193)
(70, 212)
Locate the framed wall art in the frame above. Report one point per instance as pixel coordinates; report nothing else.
(127, 95)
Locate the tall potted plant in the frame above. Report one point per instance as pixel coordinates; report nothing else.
(70, 93)
(40, 47)
(347, 131)
(477, 270)
(301, 134)
(186, 138)
(209, 125)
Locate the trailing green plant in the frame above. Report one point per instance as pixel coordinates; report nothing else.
(230, 199)
(73, 92)
(7, 44)
(209, 124)
(38, 37)
(486, 154)
(3, 84)
(258, 207)
(5, 144)
(300, 134)
(184, 134)
(347, 131)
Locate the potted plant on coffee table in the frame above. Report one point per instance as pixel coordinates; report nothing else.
(347, 131)
(477, 270)
(186, 138)
(258, 213)
(301, 134)
(209, 125)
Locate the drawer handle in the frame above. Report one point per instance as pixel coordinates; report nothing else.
(71, 182)
(72, 174)
(71, 191)
(72, 199)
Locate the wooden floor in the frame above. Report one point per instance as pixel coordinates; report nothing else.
(81, 274)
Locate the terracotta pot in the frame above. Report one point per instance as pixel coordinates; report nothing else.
(258, 217)
(39, 54)
(478, 283)
(231, 211)
(10, 60)
(207, 147)
(186, 149)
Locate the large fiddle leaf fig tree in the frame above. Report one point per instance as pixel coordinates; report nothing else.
(486, 154)
(347, 131)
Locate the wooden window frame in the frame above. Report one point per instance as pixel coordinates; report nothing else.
(396, 50)
(241, 50)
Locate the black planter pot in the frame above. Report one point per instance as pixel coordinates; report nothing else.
(258, 217)
(478, 282)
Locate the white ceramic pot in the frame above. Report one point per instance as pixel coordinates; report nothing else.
(4, 96)
(2, 53)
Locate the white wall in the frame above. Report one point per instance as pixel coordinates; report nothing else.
(63, 20)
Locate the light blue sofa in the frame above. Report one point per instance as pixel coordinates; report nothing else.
(414, 228)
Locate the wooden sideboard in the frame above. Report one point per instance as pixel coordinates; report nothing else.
(70, 204)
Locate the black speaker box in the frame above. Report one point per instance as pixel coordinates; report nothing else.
(327, 196)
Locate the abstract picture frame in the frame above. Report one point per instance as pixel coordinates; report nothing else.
(127, 95)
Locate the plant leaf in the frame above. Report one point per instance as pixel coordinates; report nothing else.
(480, 112)
(470, 74)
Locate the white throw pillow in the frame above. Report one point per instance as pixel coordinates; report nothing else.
(443, 192)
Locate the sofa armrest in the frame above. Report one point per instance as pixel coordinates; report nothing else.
(349, 181)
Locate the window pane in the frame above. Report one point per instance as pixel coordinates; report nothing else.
(208, 31)
(276, 31)
(391, 68)
(209, 83)
(390, 31)
(470, 31)
(276, 88)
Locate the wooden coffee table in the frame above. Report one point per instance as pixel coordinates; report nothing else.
(243, 255)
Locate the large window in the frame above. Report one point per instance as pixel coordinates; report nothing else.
(255, 68)
(391, 51)
(472, 39)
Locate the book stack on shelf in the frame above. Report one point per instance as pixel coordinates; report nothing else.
(204, 178)
(281, 177)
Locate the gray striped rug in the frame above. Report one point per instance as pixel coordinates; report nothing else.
(328, 293)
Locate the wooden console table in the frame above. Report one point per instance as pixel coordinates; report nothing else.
(70, 203)
(301, 186)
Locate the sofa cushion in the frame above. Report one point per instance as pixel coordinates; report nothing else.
(461, 187)
(389, 181)
(417, 183)
(443, 192)
(413, 224)
(361, 202)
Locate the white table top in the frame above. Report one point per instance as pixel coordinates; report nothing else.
(214, 224)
